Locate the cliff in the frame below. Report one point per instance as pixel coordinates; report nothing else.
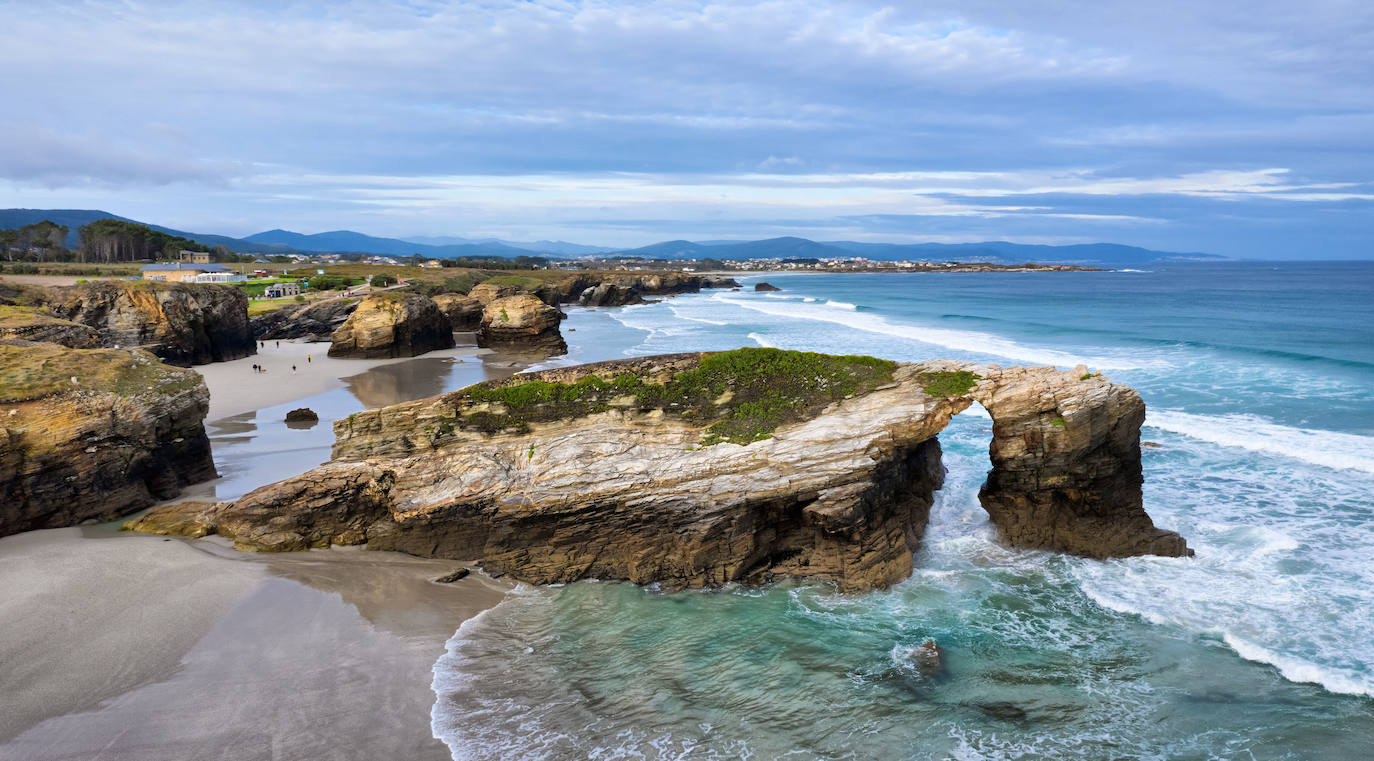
(315, 321)
(37, 324)
(183, 324)
(464, 312)
(392, 324)
(618, 290)
(94, 433)
(696, 470)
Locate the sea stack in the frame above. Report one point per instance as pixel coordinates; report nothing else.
(522, 323)
(392, 324)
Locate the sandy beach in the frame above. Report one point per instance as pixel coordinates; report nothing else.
(126, 646)
(175, 649)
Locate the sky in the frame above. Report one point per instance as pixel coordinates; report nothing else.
(1238, 128)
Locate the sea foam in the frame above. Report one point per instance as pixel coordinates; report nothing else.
(1326, 448)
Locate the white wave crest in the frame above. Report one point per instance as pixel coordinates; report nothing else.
(761, 341)
(678, 312)
(1299, 670)
(841, 305)
(1326, 448)
(962, 340)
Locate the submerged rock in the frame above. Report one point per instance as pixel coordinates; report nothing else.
(521, 322)
(92, 434)
(449, 578)
(392, 324)
(928, 658)
(702, 469)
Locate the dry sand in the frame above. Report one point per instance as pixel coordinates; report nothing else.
(144, 648)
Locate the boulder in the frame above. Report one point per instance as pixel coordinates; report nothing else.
(315, 321)
(302, 415)
(92, 434)
(521, 322)
(182, 323)
(702, 469)
(392, 324)
(464, 312)
(760, 287)
(38, 324)
(928, 658)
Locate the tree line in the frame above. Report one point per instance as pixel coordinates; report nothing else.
(39, 242)
(114, 240)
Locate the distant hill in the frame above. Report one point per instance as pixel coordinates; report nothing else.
(347, 241)
(1110, 254)
(74, 219)
(557, 247)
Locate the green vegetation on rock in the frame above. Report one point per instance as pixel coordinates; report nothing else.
(41, 370)
(744, 395)
(946, 384)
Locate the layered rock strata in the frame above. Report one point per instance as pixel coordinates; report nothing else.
(94, 433)
(316, 321)
(521, 323)
(36, 324)
(698, 470)
(464, 312)
(392, 324)
(620, 290)
(184, 324)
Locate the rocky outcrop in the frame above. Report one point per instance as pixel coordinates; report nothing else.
(620, 290)
(485, 293)
(697, 470)
(316, 321)
(302, 415)
(37, 324)
(1066, 470)
(184, 324)
(464, 312)
(392, 324)
(761, 287)
(92, 434)
(521, 322)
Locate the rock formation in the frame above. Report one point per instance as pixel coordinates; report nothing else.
(36, 324)
(521, 322)
(697, 470)
(315, 321)
(485, 293)
(619, 290)
(303, 415)
(94, 433)
(392, 324)
(184, 324)
(464, 312)
(760, 287)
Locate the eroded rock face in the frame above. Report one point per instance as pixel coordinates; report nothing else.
(621, 483)
(620, 290)
(464, 312)
(1066, 464)
(125, 434)
(392, 324)
(316, 321)
(37, 324)
(521, 322)
(184, 324)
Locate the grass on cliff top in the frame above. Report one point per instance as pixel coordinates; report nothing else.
(26, 317)
(743, 394)
(945, 383)
(34, 372)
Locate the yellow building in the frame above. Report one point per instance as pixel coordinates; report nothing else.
(195, 257)
(177, 272)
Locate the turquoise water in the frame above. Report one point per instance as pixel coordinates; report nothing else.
(1260, 383)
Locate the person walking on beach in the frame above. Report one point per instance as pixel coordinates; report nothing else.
(307, 358)
(293, 368)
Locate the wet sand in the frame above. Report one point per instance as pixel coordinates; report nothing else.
(139, 647)
(296, 370)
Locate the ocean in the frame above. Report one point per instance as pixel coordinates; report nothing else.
(1259, 379)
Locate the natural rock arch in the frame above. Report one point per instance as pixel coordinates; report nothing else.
(619, 491)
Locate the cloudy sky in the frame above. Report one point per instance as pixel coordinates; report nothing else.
(1241, 128)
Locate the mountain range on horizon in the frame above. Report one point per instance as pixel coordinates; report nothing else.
(278, 241)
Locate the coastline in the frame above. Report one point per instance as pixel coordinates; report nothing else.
(176, 648)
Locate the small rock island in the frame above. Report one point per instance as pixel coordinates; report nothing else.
(696, 470)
